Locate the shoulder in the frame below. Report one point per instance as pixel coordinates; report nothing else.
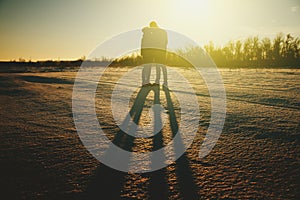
(162, 32)
(146, 29)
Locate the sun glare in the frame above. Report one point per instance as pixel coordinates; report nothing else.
(191, 7)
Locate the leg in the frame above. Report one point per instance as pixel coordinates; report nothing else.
(164, 69)
(157, 80)
(146, 74)
(143, 74)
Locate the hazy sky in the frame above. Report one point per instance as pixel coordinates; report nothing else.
(69, 29)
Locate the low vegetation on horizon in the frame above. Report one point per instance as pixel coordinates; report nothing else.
(282, 51)
(253, 52)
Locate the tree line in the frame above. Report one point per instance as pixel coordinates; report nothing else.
(282, 51)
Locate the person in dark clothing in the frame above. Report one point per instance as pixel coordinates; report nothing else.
(153, 50)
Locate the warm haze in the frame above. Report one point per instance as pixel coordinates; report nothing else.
(40, 30)
(123, 103)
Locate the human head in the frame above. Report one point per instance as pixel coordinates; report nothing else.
(153, 24)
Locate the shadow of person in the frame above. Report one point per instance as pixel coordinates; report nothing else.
(108, 182)
(135, 112)
(184, 174)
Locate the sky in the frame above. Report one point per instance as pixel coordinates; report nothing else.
(71, 29)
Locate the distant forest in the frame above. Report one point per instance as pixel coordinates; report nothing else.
(253, 52)
(282, 51)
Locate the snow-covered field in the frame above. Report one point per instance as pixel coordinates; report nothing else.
(256, 156)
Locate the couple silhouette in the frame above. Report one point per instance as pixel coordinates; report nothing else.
(153, 51)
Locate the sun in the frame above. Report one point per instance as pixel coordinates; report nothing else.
(196, 8)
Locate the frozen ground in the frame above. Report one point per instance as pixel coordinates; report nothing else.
(257, 155)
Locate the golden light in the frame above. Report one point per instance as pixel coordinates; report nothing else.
(197, 8)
